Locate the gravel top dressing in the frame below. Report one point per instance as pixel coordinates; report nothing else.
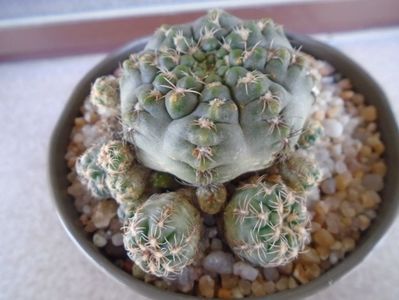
(341, 207)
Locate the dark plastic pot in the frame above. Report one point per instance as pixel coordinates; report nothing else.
(363, 84)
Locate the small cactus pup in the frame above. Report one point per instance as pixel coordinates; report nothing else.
(109, 170)
(211, 198)
(162, 236)
(91, 174)
(312, 132)
(104, 94)
(299, 172)
(115, 157)
(266, 224)
(214, 99)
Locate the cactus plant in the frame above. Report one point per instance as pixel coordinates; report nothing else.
(105, 93)
(300, 173)
(163, 234)
(211, 198)
(109, 171)
(312, 132)
(202, 104)
(266, 224)
(91, 174)
(214, 99)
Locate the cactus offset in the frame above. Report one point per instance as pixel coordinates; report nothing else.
(311, 134)
(266, 224)
(212, 100)
(105, 93)
(162, 236)
(299, 172)
(109, 171)
(211, 198)
(91, 174)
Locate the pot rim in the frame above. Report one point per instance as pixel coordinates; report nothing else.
(379, 226)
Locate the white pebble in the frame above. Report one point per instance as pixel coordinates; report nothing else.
(219, 262)
(271, 274)
(333, 258)
(117, 239)
(332, 128)
(99, 240)
(373, 182)
(328, 186)
(245, 271)
(340, 167)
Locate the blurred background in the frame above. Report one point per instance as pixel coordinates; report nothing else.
(47, 46)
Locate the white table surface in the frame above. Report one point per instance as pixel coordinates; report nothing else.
(39, 261)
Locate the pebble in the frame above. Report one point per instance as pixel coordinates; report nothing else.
(229, 281)
(103, 212)
(332, 128)
(117, 239)
(373, 182)
(258, 289)
(271, 274)
(245, 271)
(328, 186)
(323, 238)
(245, 287)
(219, 262)
(99, 240)
(282, 284)
(352, 175)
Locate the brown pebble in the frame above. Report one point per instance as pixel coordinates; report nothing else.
(323, 238)
(224, 293)
(245, 287)
(258, 289)
(286, 269)
(229, 281)
(270, 287)
(282, 284)
(369, 113)
(348, 244)
(347, 95)
(206, 286)
(323, 252)
(379, 168)
(292, 283)
(309, 255)
(370, 199)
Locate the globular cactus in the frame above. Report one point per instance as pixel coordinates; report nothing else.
(91, 174)
(104, 93)
(214, 99)
(109, 170)
(162, 236)
(129, 186)
(299, 172)
(266, 224)
(211, 198)
(312, 132)
(115, 157)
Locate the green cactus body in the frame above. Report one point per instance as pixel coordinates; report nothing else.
(105, 93)
(128, 186)
(115, 157)
(214, 99)
(299, 172)
(311, 134)
(266, 224)
(162, 236)
(211, 198)
(91, 174)
(163, 181)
